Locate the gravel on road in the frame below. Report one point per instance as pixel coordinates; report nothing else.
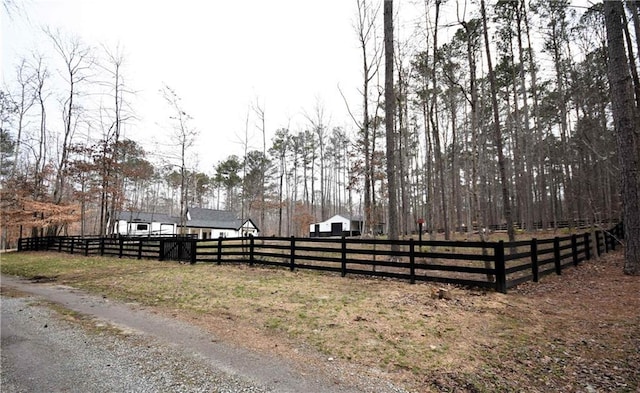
(129, 348)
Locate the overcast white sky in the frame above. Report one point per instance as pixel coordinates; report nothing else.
(219, 56)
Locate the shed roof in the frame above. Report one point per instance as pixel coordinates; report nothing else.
(137, 216)
(344, 216)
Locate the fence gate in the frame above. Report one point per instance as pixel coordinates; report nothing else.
(179, 250)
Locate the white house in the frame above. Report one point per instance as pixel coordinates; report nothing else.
(130, 223)
(204, 223)
(336, 226)
(212, 224)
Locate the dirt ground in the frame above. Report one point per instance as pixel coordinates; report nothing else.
(590, 340)
(578, 332)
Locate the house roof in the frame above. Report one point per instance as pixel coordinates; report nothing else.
(210, 218)
(200, 218)
(344, 216)
(135, 216)
(353, 218)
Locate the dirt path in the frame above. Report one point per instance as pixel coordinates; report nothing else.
(237, 366)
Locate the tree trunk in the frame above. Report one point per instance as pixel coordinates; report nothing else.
(632, 64)
(389, 111)
(506, 203)
(625, 122)
(538, 140)
(433, 115)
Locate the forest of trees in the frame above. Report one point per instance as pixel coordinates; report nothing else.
(501, 114)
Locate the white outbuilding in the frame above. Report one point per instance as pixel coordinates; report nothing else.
(337, 225)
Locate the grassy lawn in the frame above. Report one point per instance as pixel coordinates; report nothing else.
(528, 340)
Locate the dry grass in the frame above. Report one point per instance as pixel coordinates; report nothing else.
(564, 333)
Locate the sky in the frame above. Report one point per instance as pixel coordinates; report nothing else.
(221, 57)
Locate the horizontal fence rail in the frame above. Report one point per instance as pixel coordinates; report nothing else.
(498, 265)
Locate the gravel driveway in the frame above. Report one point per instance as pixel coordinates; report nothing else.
(41, 351)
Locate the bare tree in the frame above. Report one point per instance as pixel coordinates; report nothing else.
(554, 13)
(40, 152)
(433, 116)
(115, 62)
(365, 29)
(77, 62)
(184, 137)
(389, 113)
(259, 110)
(506, 203)
(115, 117)
(319, 127)
(281, 144)
(24, 98)
(625, 117)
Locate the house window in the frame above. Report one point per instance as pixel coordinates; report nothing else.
(142, 227)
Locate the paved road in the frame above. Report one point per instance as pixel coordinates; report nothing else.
(41, 351)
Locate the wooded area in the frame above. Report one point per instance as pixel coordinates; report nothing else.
(501, 115)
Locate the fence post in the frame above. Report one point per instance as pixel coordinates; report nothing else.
(556, 255)
(587, 246)
(220, 249)
(101, 246)
(121, 247)
(598, 243)
(501, 274)
(606, 238)
(194, 251)
(614, 239)
(161, 250)
(251, 250)
(60, 244)
(344, 257)
(292, 254)
(72, 244)
(19, 244)
(535, 269)
(140, 248)
(574, 249)
(86, 247)
(412, 262)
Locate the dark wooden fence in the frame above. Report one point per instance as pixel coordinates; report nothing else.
(498, 265)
